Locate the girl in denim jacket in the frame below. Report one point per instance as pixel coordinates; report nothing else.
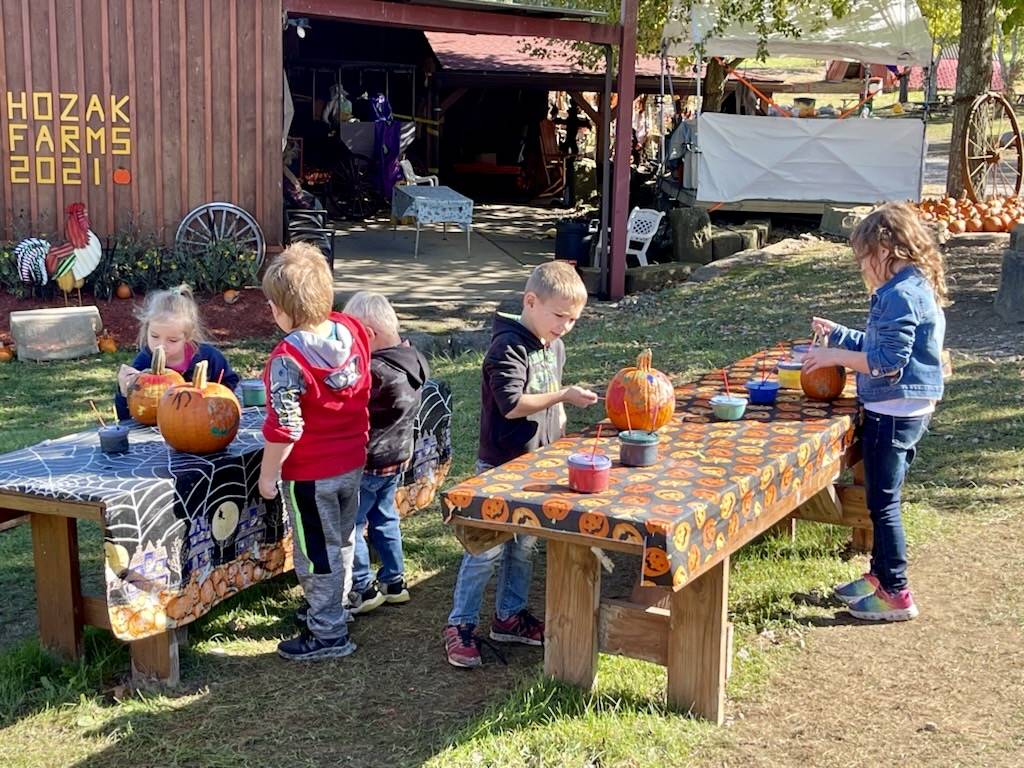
(898, 361)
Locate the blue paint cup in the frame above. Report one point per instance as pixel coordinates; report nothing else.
(114, 439)
(762, 392)
(253, 392)
(728, 407)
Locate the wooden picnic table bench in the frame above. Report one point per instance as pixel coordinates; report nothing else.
(717, 486)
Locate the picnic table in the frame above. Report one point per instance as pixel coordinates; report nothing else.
(717, 486)
(181, 533)
(431, 205)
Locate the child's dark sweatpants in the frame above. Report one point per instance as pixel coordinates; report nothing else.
(323, 517)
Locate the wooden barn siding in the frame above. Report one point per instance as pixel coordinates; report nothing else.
(203, 79)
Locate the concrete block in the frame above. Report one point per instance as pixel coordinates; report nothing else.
(749, 235)
(655, 276)
(57, 333)
(591, 277)
(1017, 238)
(839, 220)
(1010, 297)
(724, 243)
(764, 230)
(691, 235)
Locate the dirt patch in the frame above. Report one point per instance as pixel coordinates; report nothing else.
(248, 317)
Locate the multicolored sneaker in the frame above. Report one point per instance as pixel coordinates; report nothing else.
(524, 628)
(462, 646)
(395, 593)
(881, 606)
(857, 589)
(308, 647)
(364, 601)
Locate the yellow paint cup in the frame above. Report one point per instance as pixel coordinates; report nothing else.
(789, 374)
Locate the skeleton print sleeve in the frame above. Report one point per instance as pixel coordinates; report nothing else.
(284, 412)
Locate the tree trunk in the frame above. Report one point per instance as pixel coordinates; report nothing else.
(973, 77)
(713, 93)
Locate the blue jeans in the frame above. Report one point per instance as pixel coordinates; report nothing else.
(888, 445)
(378, 513)
(514, 573)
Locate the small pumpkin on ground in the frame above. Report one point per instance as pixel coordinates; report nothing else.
(107, 344)
(6, 354)
(200, 417)
(149, 386)
(123, 291)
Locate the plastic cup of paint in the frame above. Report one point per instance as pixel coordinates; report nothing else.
(638, 448)
(762, 392)
(589, 472)
(114, 438)
(253, 392)
(799, 351)
(728, 407)
(789, 374)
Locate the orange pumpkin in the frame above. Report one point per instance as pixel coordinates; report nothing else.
(495, 509)
(641, 397)
(6, 354)
(201, 417)
(123, 291)
(149, 386)
(107, 344)
(593, 524)
(823, 383)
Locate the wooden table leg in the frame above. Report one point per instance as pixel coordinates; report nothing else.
(58, 589)
(698, 645)
(570, 618)
(156, 658)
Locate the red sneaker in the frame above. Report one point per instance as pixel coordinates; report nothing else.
(462, 646)
(524, 628)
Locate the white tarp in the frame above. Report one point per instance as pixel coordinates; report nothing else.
(873, 32)
(857, 160)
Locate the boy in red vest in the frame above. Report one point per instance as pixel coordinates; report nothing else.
(317, 426)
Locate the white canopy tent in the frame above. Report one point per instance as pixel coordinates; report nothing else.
(739, 159)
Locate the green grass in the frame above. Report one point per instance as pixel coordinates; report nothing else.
(396, 701)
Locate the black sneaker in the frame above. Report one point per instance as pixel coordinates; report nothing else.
(395, 593)
(365, 601)
(308, 647)
(302, 615)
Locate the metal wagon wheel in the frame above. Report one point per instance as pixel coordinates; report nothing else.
(212, 223)
(993, 159)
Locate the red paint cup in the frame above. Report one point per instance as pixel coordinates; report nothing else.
(588, 472)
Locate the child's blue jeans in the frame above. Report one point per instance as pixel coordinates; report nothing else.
(515, 561)
(378, 514)
(888, 446)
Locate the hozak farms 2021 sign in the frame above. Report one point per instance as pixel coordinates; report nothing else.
(43, 127)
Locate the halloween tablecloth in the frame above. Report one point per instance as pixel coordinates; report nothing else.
(714, 478)
(182, 532)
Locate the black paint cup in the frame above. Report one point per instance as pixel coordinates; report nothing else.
(114, 439)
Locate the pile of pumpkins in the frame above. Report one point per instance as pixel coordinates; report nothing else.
(200, 416)
(997, 214)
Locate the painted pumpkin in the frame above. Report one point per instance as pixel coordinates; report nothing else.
(641, 397)
(149, 386)
(107, 344)
(201, 417)
(824, 383)
(556, 509)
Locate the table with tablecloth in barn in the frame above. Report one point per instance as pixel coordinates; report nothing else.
(718, 484)
(431, 205)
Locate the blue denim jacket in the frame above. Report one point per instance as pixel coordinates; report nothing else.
(903, 340)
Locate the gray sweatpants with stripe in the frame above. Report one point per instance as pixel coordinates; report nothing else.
(323, 517)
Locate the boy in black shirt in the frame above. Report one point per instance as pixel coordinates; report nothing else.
(521, 410)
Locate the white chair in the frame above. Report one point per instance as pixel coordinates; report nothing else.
(412, 178)
(641, 227)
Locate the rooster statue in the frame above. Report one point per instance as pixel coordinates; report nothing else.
(67, 264)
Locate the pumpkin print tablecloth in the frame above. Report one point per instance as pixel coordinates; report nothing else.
(713, 480)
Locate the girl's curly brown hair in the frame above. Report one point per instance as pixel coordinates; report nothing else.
(894, 228)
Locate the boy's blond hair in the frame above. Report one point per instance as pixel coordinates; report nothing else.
(299, 282)
(557, 279)
(375, 310)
